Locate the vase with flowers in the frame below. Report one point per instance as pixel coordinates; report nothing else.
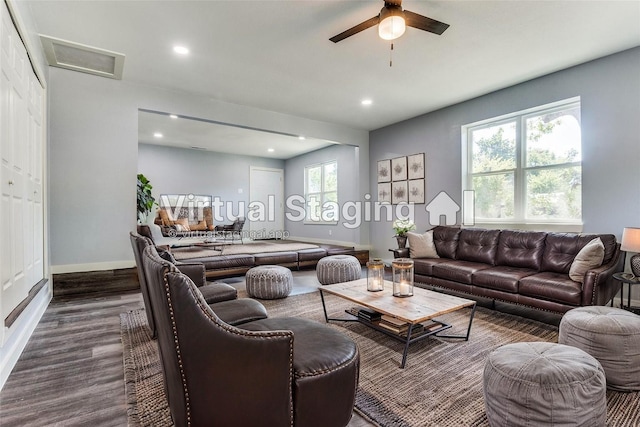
(401, 227)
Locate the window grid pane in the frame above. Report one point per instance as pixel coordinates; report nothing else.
(527, 167)
(321, 190)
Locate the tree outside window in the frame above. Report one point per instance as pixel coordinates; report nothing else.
(526, 168)
(321, 192)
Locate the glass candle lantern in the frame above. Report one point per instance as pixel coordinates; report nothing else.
(375, 275)
(402, 277)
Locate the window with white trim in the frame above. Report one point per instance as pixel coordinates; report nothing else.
(526, 167)
(321, 192)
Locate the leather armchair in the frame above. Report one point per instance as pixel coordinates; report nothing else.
(233, 311)
(281, 372)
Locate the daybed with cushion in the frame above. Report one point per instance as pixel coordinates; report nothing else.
(218, 264)
(548, 271)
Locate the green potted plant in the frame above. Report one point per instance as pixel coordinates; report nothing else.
(145, 198)
(401, 227)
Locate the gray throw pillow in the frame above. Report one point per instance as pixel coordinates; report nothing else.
(589, 257)
(422, 245)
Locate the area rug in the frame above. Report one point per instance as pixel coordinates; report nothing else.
(440, 386)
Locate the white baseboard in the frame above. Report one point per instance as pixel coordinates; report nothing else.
(21, 330)
(96, 266)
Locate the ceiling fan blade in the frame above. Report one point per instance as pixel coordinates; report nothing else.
(423, 23)
(354, 30)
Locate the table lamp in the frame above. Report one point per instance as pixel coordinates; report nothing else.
(631, 243)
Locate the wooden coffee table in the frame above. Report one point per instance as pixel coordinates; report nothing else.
(423, 306)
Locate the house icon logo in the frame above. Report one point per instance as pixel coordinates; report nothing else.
(442, 205)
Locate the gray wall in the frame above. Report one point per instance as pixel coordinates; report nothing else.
(610, 93)
(182, 171)
(348, 191)
(94, 159)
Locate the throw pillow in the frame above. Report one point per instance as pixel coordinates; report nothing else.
(184, 222)
(201, 226)
(165, 217)
(422, 245)
(589, 257)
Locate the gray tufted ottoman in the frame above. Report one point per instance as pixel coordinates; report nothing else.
(612, 336)
(544, 384)
(338, 268)
(269, 282)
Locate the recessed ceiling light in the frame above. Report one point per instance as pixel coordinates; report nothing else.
(180, 50)
(366, 102)
(271, 150)
(302, 138)
(157, 135)
(173, 116)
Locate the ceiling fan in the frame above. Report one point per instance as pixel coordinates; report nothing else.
(392, 22)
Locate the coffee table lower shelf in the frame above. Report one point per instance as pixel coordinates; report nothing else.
(408, 339)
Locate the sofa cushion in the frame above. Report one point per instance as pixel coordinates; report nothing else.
(276, 258)
(446, 241)
(478, 245)
(182, 223)
(421, 245)
(552, 286)
(458, 271)
(561, 249)
(312, 254)
(227, 261)
(166, 217)
(520, 249)
(503, 278)
(424, 266)
(589, 257)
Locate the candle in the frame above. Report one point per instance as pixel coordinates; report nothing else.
(405, 288)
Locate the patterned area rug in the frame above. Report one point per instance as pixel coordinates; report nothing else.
(440, 386)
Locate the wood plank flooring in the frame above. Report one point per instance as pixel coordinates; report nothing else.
(71, 372)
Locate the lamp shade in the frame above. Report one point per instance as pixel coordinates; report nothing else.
(392, 23)
(630, 239)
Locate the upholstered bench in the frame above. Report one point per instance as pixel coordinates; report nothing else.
(612, 336)
(337, 269)
(269, 282)
(544, 384)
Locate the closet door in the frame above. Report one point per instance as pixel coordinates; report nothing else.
(20, 170)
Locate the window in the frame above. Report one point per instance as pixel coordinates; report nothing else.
(526, 167)
(321, 192)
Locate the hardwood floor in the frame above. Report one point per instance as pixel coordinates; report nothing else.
(71, 372)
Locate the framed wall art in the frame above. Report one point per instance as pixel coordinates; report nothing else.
(384, 192)
(399, 192)
(416, 191)
(399, 169)
(416, 166)
(384, 170)
(402, 179)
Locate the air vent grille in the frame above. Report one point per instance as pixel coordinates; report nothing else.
(82, 58)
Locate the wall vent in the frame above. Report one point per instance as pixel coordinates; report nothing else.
(82, 58)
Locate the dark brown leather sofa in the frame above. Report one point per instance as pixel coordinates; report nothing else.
(522, 267)
(272, 372)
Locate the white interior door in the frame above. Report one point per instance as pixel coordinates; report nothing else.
(21, 165)
(265, 212)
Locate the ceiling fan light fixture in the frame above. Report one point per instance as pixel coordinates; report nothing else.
(392, 24)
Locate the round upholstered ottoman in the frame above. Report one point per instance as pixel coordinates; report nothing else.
(269, 282)
(612, 336)
(338, 268)
(544, 384)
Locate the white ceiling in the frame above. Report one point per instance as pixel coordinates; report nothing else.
(276, 55)
(191, 133)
